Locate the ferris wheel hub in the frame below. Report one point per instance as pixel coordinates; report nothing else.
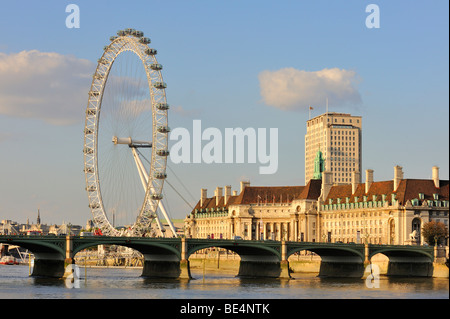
(130, 142)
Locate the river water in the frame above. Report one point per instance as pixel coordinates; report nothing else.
(126, 283)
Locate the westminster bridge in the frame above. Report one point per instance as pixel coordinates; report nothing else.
(169, 257)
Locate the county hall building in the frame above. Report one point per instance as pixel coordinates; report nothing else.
(333, 206)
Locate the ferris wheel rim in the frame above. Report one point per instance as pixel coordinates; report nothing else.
(127, 40)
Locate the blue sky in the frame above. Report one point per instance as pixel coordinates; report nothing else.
(214, 53)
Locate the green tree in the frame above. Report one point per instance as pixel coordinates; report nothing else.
(433, 231)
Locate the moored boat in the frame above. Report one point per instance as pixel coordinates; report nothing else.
(8, 260)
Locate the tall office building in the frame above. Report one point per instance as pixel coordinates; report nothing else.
(338, 136)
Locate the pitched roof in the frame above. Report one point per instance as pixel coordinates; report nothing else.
(269, 194)
(266, 194)
(408, 189)
(312, 190)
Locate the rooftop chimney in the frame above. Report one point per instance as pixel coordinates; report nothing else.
(398, 176)
(436, 176)
(227, 194)
(218, 194)
(356, 178)
(327, 182)
(203, 195)
(244, 184)
(369, 179)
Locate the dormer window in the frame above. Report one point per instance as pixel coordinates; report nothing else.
(421, 196)
(435, 196)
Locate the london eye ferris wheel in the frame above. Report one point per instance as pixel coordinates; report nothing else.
(126, 138)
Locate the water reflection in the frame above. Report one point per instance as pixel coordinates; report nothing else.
(127, 283)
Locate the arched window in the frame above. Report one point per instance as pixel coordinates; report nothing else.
(416, 226)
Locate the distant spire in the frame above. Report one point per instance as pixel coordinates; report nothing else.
(38, 221)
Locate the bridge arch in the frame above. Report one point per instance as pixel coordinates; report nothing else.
(257, 260)
(240, 249)
(402, 252)
(416, 261)
(326, 251)
(162, 256)
(337, 260)
(49, 253)
(41, 245)
(144, 247)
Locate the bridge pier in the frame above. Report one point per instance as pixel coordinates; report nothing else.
(265, 266)
(410, 267)
(52, 264)
(48, 265)
(341, 266)
(185, 270)
(259, 266)
(164, 264)
(284, 263)
(160, 267)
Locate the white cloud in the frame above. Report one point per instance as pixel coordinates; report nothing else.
(292, 89)
(44, 85)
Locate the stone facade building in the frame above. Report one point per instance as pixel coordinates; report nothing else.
(385, 212)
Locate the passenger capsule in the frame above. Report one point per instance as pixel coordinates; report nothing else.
(160, 85)
(89, 169)
(160, 175)
(139, 34)
(129, 31)
(88, 150)
(151, 51)
(157, 196)
(144, 40)
(156, 67)
(94, 205)
(162, 106)
(113, 38)
(163, 129)
(162, 152)
(121, 33)
(91, 189)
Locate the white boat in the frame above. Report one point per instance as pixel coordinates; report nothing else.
(8, 260)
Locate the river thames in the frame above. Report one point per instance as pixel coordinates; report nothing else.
(126, 283)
